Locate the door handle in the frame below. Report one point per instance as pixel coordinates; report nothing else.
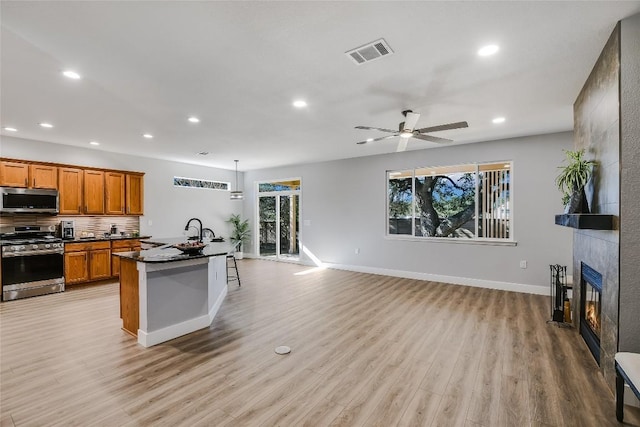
(34, 182)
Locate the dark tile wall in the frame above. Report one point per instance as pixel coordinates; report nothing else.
(596, 129)
(629, 319)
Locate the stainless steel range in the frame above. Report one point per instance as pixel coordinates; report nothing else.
(32, 262)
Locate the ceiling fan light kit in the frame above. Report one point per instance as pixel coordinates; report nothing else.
(407, 130)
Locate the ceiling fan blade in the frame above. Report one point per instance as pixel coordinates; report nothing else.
(378, 139)
(380, 129)
(402, 145)
(411, 120)
(432, 138)
(457, 125)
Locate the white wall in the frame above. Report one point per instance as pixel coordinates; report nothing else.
(345, 203)
(167, 208)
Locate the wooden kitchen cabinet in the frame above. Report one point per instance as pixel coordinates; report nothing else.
(85, 262)
(76, 267)
(114, 193)
(14, 174)
(135, 194)
(70, 188)
(93, 194)
(28, 175)
(100, 264)
(43, 176)
(122, 246)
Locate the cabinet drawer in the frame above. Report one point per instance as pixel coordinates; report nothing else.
(128, 243)
(86, 246)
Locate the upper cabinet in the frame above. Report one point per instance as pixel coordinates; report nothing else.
(43, 176)
(28, 175)
(93, 193)
(14, 174)
(114, 192)
(82, 190)
(135, 194)
(70, 186)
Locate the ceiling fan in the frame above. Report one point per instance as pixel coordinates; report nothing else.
(407, 130)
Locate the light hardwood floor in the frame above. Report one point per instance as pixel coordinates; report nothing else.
(366, 350)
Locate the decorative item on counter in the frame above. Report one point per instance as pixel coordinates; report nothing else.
(135, 233)
(191, 248)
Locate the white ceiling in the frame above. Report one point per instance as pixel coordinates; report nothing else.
(148, 65)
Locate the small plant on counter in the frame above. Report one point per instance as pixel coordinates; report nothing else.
(240, 233)
(572, 180)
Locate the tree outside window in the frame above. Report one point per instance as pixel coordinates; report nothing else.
(462, 201)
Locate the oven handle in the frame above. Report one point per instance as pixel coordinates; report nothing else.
(30, 253)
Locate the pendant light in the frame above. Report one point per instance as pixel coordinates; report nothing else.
(237, 194)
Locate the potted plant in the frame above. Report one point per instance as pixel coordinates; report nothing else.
(572, 180)
(239, 234)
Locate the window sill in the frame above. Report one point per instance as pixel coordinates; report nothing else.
(486, 242)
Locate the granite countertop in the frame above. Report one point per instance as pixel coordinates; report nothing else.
(103, 239)
(166, 253)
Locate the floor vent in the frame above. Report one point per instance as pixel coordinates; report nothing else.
(369, 52)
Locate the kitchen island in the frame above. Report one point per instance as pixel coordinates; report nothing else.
(165, 294)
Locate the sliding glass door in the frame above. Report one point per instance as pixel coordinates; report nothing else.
(278, 213)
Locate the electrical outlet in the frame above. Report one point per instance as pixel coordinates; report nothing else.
(523, 264)
(357, 251)
(150, 223)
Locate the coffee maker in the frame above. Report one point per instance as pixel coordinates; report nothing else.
(67, 229)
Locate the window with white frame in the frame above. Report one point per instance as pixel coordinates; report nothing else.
(471, 201)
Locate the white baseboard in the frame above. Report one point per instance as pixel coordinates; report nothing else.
(148, 339)
(478, 283)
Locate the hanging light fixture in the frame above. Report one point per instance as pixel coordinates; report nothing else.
(237, 194)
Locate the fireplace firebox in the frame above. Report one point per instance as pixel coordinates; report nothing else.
(590, 308)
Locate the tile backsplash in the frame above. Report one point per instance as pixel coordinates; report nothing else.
(90, 224)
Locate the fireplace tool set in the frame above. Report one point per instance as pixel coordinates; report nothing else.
(560, 304)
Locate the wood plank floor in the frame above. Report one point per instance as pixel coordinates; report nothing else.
(366, 351)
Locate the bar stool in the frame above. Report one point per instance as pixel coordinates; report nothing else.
(231, 266)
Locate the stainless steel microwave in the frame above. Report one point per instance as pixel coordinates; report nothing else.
(29, 200)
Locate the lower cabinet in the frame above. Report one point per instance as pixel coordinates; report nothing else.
(85, 262)
(121, 246)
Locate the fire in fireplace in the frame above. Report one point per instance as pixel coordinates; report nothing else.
(590, 310)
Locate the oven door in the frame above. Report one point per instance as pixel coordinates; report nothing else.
(28, 275)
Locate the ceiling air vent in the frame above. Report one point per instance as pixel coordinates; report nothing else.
(369, 52)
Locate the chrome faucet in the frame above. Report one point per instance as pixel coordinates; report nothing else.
(186, 227)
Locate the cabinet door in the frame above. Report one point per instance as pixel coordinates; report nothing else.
(70, 187)
(76, 267)
(114, 183)
(135, 194)
(43, 176)
(93, 192)
(115, 260)
(14, 174)
(100, 264)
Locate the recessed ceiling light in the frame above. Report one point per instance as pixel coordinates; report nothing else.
(193, 119)
(488, 50)
(299, 103)
(147, 135)
(498, 120)
(94, 143)
(369, 139)
(10, 129)
(46, 125)
(71, 74)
